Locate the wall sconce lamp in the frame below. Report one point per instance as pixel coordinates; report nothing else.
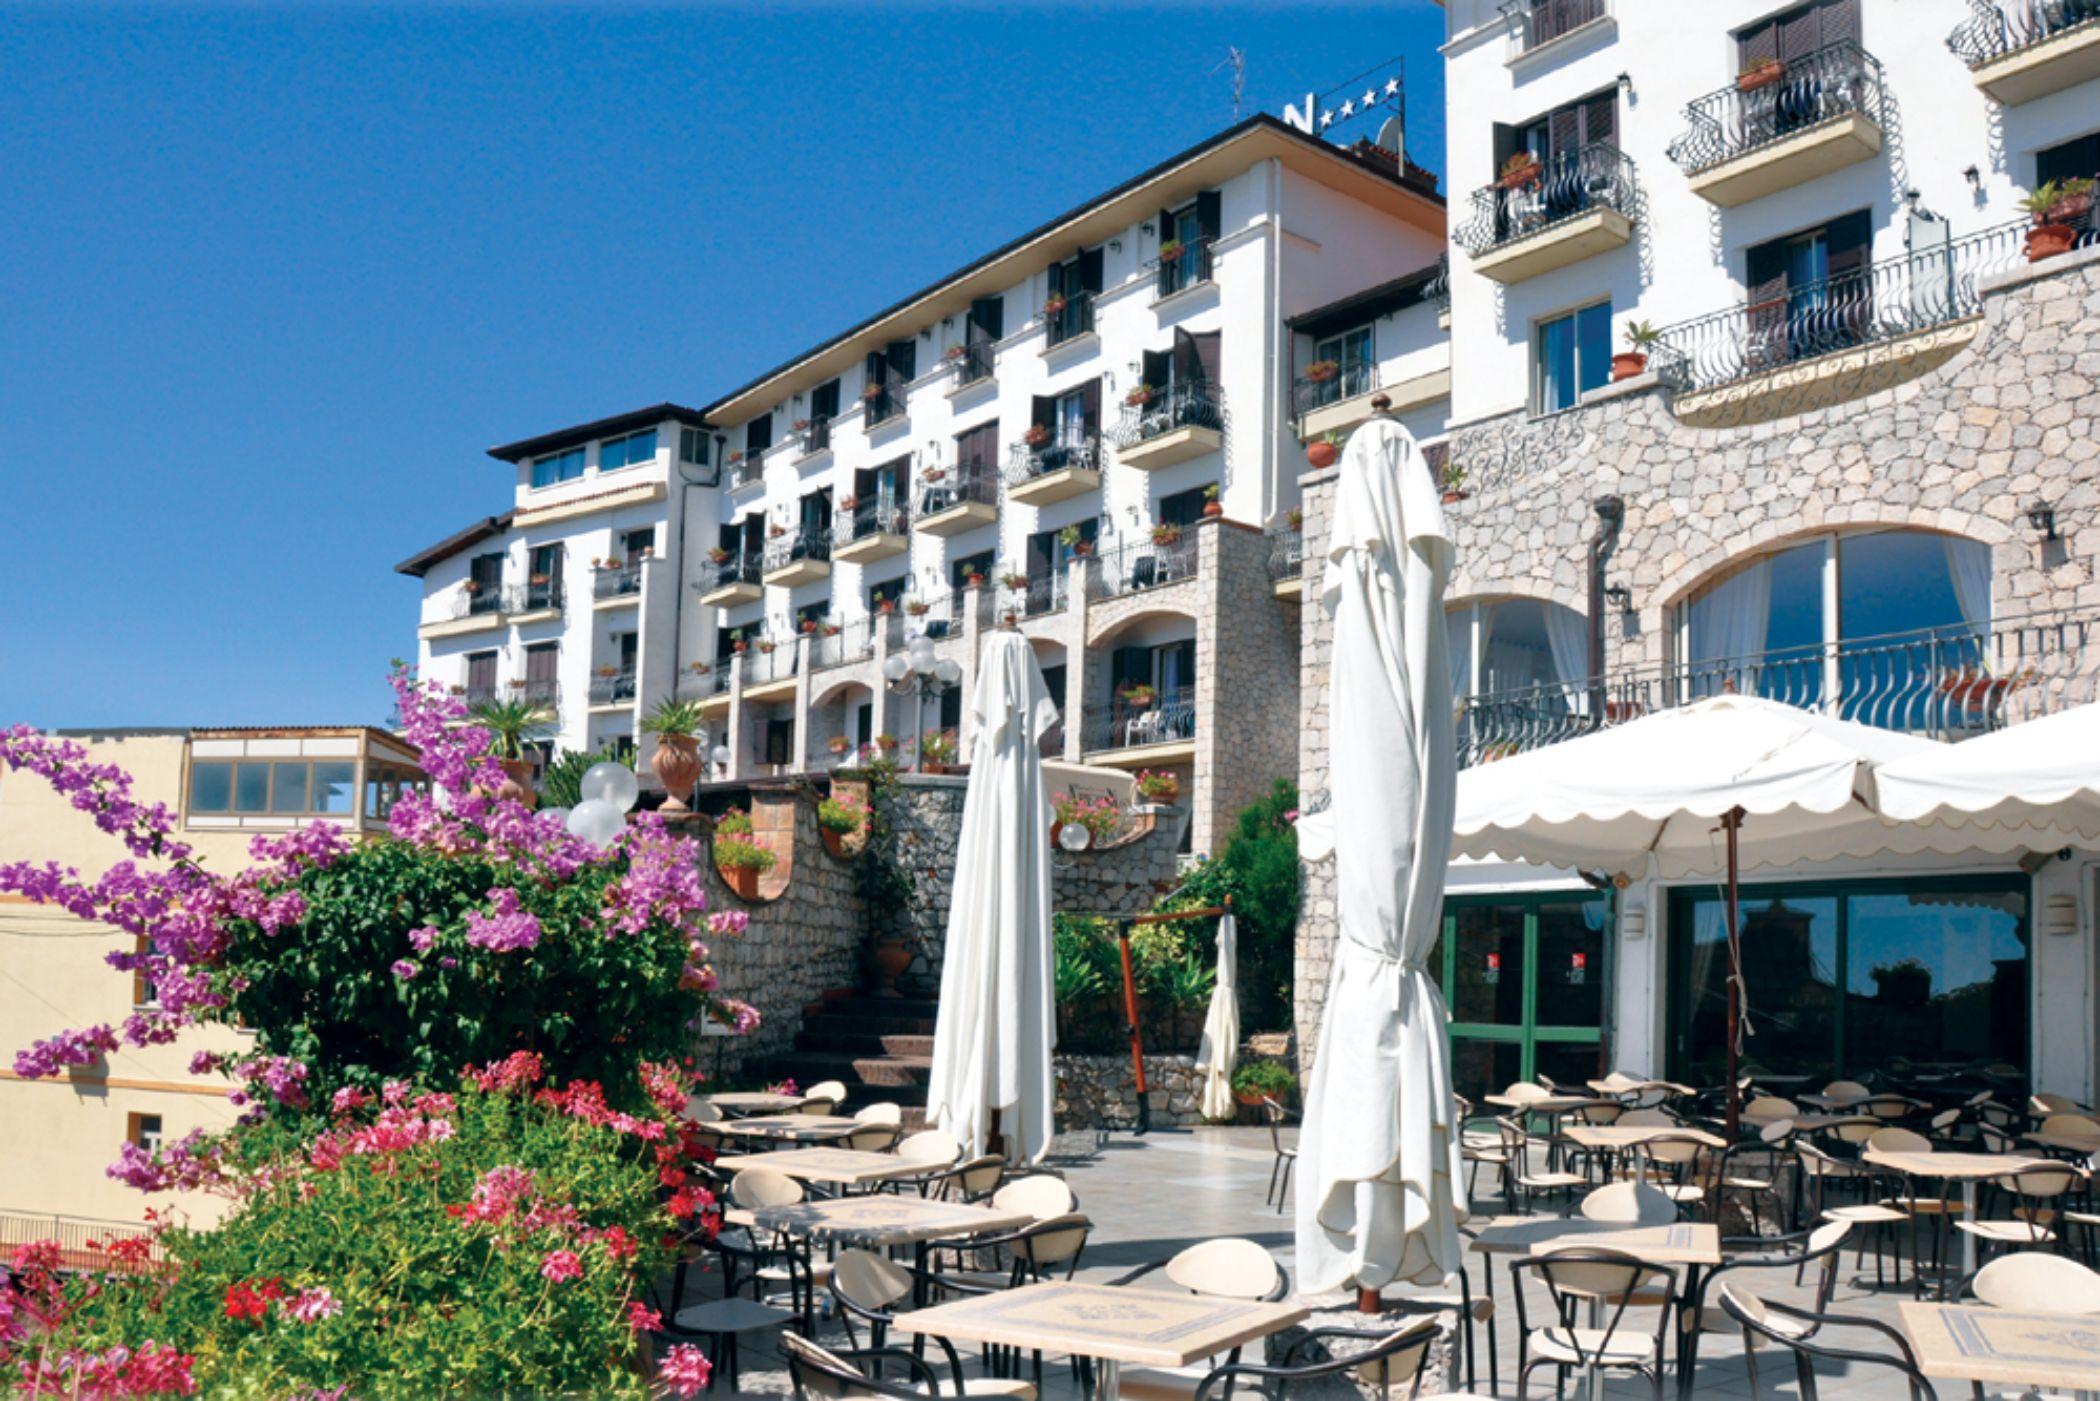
(1625, 82)
(1974, 177)
(1619, 597)
(1147, 227)
(1115, 245)
(2042, 516)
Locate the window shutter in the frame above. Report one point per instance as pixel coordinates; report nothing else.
(1564, 133)
(1057, 280)
(877, 369)
(1506, 144)
(1841, 22)
(1209, 213)
(1042, 412)
(1042, 549)
(1090, 270)
(2077, 159)
(1600, 119)
(1090, 400)
(1164, 281)
(987, 319)
(904, 358)
(1129, 664)
(1159, 368)
(1764, 273)
(1209, 347)
(1800, 34)
(1851, 239)
(1756, 44)
(1187, 367)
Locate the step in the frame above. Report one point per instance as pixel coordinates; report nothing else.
(818, 1039)
(867, 1005)
(810, 1068)
(869, 1026)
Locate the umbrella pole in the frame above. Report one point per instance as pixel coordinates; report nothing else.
(1137, 1047)
(1731, 823)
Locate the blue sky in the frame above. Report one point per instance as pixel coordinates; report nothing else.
(274, 276)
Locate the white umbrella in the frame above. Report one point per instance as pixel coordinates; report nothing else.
(1220, 1047)
(992, 1038)
(1381, 1195)
(2043, 775)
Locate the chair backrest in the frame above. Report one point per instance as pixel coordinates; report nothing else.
(2038, 1281)
(818, 1372)
(2052, 1181)
(701, 1110)
(2046, 1104)
(1846, 1091)
(1040, 1196)
(1856, 1131)
(1629, 1203)
(2071, 1126)
(1898, 1141)
(1273, 1114)
(875, 1138)
(1644, 1118)
(979, 1177)
(823, 1097)
(1052, 1242)
(869, 1282)
(1673, 1150)
(1524, 1092)
(1601, 1282)
(1230, 1268)
(1766, 1108)
(930, 1146)
(1796, 1331)
(1600, 1115)
(756, 1187)
(1887, 1106)
(884, 1113)
(1776, 1133)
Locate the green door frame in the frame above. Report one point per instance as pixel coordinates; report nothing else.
(1528, 1034)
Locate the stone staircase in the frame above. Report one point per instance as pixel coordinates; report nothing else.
(880, 1047)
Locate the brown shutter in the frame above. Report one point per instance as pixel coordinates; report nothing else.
(987, 319)
(1057, 279)
(903, 357)
(1600, 119)
(877, 369)
(1090, 401)
(1090, 269)
(1564, 135)
(1209, 347)
(1159, 368)
(1840, 22)
(1042, 412)
(1764, 273)
(1209, 213)
(1187, 368)
(1756, 44)
(1800, 34)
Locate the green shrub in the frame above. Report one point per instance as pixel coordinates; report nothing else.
(734, 854)
(1264, 1077)
(842, 814)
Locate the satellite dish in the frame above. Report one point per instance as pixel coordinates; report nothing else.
(1074, 836)
(1391, 134)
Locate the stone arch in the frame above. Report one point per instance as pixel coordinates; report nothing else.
(1128, 622)
(840, 690)
(1769, 537)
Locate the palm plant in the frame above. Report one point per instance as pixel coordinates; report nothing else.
(561, 784)
(682, 718)
(512, 724)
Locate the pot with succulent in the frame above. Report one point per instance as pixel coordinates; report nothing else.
(2053, 205)
(885, 605)
(1323, 450)
(739, 859)
(720, 555)
(1136, 695)
(678, 726)
(886, 745)
(608, 672)
(1321, 371)
(1759, 73)
(513, 725)
(916, 607)
(1138, 397)
(1453, 481)
(933, 474)
(801, 425)
(809, 627)
(737, 644)
(1166, 535)
(1170, 250)
(936, 751)
(828, 629)
(1017, 583)
(953, 352)
(699, 668)
(1213, 508)
(1036, 436)
(767, 646)
(1633, 360)
(1074, 540)
(1294, 518)
(1054, 304)
(974, 579)
(871, 391)
(849, 502)
(1519, 171)
(1158, 786)
(838, 745)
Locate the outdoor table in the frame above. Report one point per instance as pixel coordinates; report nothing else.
(1552, 1107)
(1109, 1323)
(1618, 1089)
(1617, 1137)
(845, 1167)
(2082, 1143)
(2006, 1347)
(743, 1102)
(870, 1223)
(1831, 1102)
(794, 1128)
(1809, 1123)
(1966, 1168)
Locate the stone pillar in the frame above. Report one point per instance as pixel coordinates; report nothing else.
(1246, 680)
(1078, 662)
(972, 632)
(884, 719)
(1316, 908)
(734, 736)
(799, 750)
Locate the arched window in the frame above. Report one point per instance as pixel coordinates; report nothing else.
(1516, 645)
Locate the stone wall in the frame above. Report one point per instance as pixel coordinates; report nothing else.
(1246, 681)
(1966, 447)
(1100, 1092)
(1316, 928)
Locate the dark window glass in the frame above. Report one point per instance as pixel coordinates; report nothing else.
(211, 787)
(1487, 983)
(559, 467)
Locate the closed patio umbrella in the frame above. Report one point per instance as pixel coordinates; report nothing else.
(994, 1030)
(1381, 1196)
(1220, 1047)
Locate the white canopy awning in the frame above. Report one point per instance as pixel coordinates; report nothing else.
(2040, 778)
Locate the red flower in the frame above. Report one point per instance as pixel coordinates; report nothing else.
(643, 1319)
(247, 1304)
(670, 1176)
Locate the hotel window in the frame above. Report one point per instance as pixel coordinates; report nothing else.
(281, 787)
(1073, 285)
(890, 591)
(557, 467)
(630, 451)
(1195, 227)
(2076, 159)
(543, 577)
(778, 742)
(823, 407)
(758, 436)
(637, 545)
(1571, 355)
(143, 1131)
(692, 446)
(959, 571)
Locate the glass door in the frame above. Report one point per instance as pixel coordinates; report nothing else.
(1524, 978)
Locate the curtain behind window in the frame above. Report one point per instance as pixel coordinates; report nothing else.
(1728, 621)
(1969, 566)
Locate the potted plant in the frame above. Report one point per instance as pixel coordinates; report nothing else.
(1256, 1080)
(885, 605)
(1100, 816)
(1158, 786)
(720, 555)
(1017, 582)
(841, 818)
(1520, 170)
(1759, 73)
(1294, 518)
(2051, 205)
(1165, 534)
(735, 457)
(536, 580)
(838, 744)
(698, 668)
(872, 390)
(1320, 371)
(953, 352)
(1071, 538)
(1634, 359)
(974, 579)
(1453, 482)
(828, 629)
(932, 474)
(677, 726)
(1138, 397)
(916, 607)
(937, 750)
(1136, 694)
(848, 502)
(512, 725)
(739, 859)
(776, 530)
(886, 744)
(766, 646)
(1036, 436)
(891, 955)
(1170, 250)
(608, 671)
(1053, 304)
(809, 627)
(737, 643)
(1212, 507)
(1323, 451)
(473, 586)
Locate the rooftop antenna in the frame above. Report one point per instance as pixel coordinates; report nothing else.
(1236, 60)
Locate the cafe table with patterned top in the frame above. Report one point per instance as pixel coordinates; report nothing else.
(871, 1222)
(753, 1102)
(1112, 1324)
(789, 1128)
(2004, 1347)
(1966, 1168)
(1615, 1137)
(844, 1167)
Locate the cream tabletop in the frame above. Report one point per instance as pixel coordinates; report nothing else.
(1977, 1343)
(844, 1166)
(754, 1101)
(1953, 1167)
(1684, 1243)
(2069, 1142)
(1110, 1323)
(795, 1127)
(1545, 1104)
(1630, 1135)
(885, 1219)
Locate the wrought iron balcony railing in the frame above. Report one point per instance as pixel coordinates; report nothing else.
(544, 692)
(1027, 463)
(746, 471)
(1996, 28)
(1542, 21)
(797, 545)
(886, 403)
(1182, 269)
(816, 437)
(1944, 683)
(1571, 184)
(1074, 318)
(972, 483)
(616, 583)
(1350, 378)
(973, 363)
(610, 690)
(1437, 290)
(1834, 81)
(1286, 554)
(477, 695)
(477, 601)
(1141, 565)
(1196, 405)
(737, 569)
(1130, 722)
(1045, 593)
(1881, 302)
(869, 518)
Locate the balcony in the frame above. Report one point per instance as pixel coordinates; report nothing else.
(1845, 335)
(972, 361)
(881, 403)
(1143, 565)
(799, 557)
(542, 596)
(951, 507)
(1544, 23)
(1174, 424)
(544, 692)
(475, 696)
(743, 471)
(1186, 266)
(1820, 113)
(816, 437)
(611, 687)
(1947, 683)
(1322, 388)
(476, 607)
(617, 585)
(2019, 50)
(868, 532)
(1135, 731)
(1572, 207)
(1287, 562)
(1041, 595)
(769, 671)
(1067, 318)
(841, 646)
(1057, 470)
(728, 582)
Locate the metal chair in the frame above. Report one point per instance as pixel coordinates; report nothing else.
(1524, 1181)
(1824, 1245)
(1604, 1283)
(1286, 1156)
(1794, 1330)
(1227, 1268)
(820, 1374)
(1394, 1358)
(869, 1288)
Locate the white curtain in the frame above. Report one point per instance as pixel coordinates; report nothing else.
(1458, 642)
(1568, 637)
(1969, 566)
(1728, 626)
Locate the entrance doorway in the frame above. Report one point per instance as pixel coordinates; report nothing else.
(1524, 978)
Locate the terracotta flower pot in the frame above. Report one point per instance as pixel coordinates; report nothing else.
(835, 843)
(890, 957)
(740, 879)
(1322, 455)
(1628, 363)
(517, 782)
(1762, 76)
(678, 767)
(1452, 494)
(2048, 240)
(1213, 509)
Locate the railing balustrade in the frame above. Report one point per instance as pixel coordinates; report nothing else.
(836, 646)
(766, 661)
(1542, 21)
(485, 601)
(1073, 319)
(1880, 302)
(1833, 81)
(737, 569)
(1996, 28)
(816, 437)
(974, 482)
(885, 404)
(1142, 564)
(83, 1244)
(616, 583)
(1565, 187)
(1286, 554)
(869, 518)
(1182, 269)
(544, 692)
(1026, 463)
(973, 363)
(1132, 721)
(1195, 405)
(1944, 683)
(1437, 290)
(1350, 378)
(611, 690)
(808, 543)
